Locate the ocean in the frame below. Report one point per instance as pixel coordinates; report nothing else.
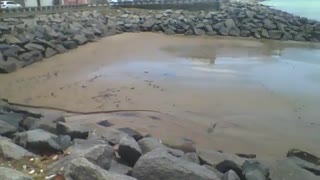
(305, 8)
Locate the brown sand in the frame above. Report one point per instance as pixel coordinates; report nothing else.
(241, 85)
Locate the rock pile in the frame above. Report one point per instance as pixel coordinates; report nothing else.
(27, 40)
(96, 157)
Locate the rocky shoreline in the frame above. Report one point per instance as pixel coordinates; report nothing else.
(42, 146)
(27, 40)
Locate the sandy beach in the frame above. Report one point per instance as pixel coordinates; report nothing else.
(260, 94)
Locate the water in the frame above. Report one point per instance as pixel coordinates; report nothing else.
(309, 9)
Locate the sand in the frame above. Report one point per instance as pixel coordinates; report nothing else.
(262, 95)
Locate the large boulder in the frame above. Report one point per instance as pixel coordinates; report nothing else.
(100, 155)
(80, 39)
(255, 170)
(230, 175)
(228, 165)
(9, 150)
(129, 150)
(131, 132)
(269, 25)
(74, 130)
(159, 164)
(30, 57)
(275, 34)
(6, 129)
(286, 169)
(149, 143)
(113, 136)
(70, 44)
(50, 52)
(34, 46)
(39, 141)
(11, 39)
(11, 174)
(119, 166)
(82, 169)
(192, 157)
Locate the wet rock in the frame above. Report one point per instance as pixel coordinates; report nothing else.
(230, 175)
(70, 44)
(228, 165)
(191, 157)
(39, 141)
(131, 132)
(9, 150)
(6, 129)
(82, 169)
(80, 39)
(249, 156)
(50, 52)
(286, 169)
(129, 150)
(150, 143)
(73, 130)
(159, 164)
(11, 174)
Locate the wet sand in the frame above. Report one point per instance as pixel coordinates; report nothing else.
(262, 95)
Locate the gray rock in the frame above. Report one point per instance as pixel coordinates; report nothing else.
(265, 33)
(11, 39)
(149, 143)
(65, 141)
(74, 130)
(129, 150)
(6, 67)
(113, 136)
(275, 34)
(11, 118)
(215, 157)
(269, 25)
(286, 169)
(255, 170)
(228, 165)
(120, 167)
(159, 164)
(191, 157)
(11, 174)
(234, 32)
(60, 48)
(100, 155)
(198, 32)
(38, 141)
(50, 52)
(229, 23)
(314, 168)
(245, 33)
(34, 46)
(230, 175)
(6, 129)
(80, 39)
(30, 57)
(70, 44)
(304, 156)
(224, 31)
(287, 36)
(299, 38)
(131, 132)
(11, 51)
(218, 26)
(82, 169)
(9, 150)
(218, 173)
